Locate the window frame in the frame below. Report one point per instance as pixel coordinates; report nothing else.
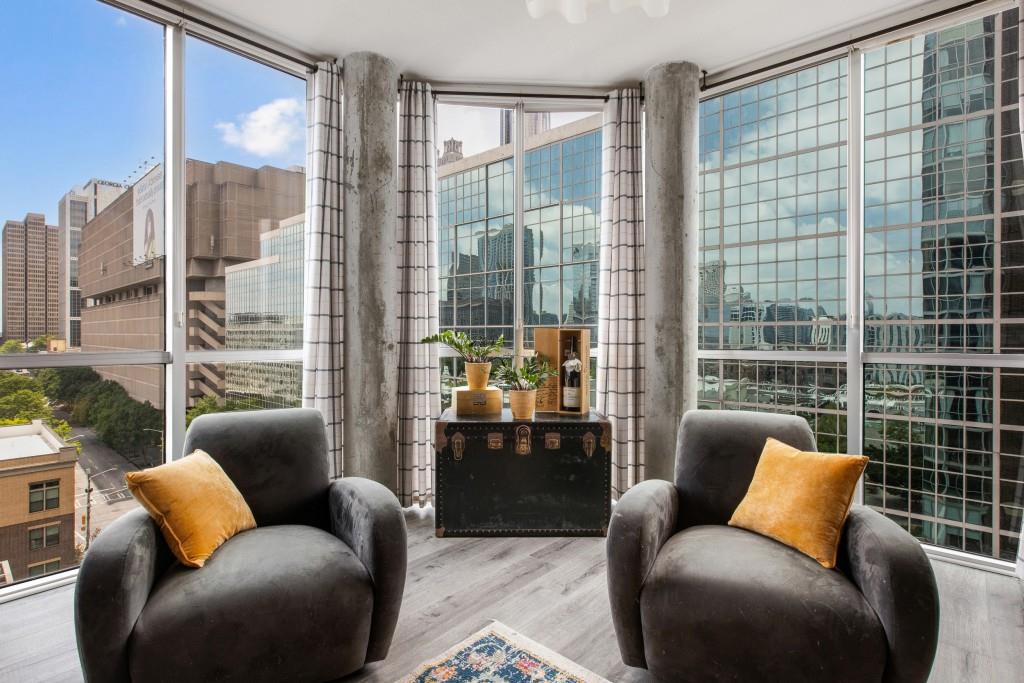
(44, 536)
(175, 357)
(44, 487)
(854, 358)
(520, 105)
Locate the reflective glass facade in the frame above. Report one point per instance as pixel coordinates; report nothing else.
(561, 235)
(943, 271)
(814, 391)
(773, 213)
(264, 311)
(477, 249)
(562, 208)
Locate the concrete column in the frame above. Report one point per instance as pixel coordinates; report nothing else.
(371, 267)
(671, 93)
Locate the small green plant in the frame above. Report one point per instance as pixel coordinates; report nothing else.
(469, 350)
(530, 376)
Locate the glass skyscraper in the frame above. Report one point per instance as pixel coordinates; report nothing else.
(264, 311)
(942, 230)
(561, 233)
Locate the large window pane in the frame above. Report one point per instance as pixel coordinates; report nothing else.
(942, 174)
(244, 214)
(562, 220)
(81, 197)
(773, 213)
(476, 205)
(930, 435)
(67, 437)
(248, 385)
(81, 190)
(814, 391)
(931, 223)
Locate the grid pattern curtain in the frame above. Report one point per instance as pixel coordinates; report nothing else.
(419, 381)
(323, 342)
(1020, 114)
(620, 347)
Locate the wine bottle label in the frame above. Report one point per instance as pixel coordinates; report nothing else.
(571, 397)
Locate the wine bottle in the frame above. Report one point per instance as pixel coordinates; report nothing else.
(571, 378)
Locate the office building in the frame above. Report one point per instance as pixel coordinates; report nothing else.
(76, 208)
(264, 312)
(32, 262)
(228, 206)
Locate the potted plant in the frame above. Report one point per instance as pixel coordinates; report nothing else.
(523, 383)
(477, 355)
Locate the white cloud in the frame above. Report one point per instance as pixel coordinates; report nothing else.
(267, 131)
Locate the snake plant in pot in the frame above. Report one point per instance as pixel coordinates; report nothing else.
(522, 383)
(477, 355)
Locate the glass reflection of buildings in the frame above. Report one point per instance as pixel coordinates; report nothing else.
(477, 236)
(941, 465)
(264, 312)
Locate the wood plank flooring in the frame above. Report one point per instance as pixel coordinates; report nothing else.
(550, 589)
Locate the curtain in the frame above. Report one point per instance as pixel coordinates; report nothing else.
(322, 346)
(620, 348)
(419, 397)
(1020, 126)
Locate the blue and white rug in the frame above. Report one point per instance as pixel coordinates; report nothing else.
(497, 654)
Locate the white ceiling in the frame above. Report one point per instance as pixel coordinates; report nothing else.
(496, 41)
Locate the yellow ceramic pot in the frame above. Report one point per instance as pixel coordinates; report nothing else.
(477, 375)
(522, 403)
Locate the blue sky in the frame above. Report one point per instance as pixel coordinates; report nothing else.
(82, 97)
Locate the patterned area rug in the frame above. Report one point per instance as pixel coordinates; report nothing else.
(497, 654)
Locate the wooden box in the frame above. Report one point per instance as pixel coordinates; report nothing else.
(553, 345)
(497, 476)
(468, 401)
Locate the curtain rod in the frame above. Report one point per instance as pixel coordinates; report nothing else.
(488, 93)
(841, 44)
(185, 16)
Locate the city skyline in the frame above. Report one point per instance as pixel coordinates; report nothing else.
(110, 66)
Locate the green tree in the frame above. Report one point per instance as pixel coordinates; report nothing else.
(12, 346)
(11, 382)
(209, 404)
(24, 405)
(66, 384)
(38, 344)
(204, 406)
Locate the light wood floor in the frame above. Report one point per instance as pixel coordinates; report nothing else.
(551, 590)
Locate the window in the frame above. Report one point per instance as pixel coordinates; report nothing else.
(942, 172)
(42, 568)
(244, 226)
(90, 277)
(76, 183)
(480, 244)
(562, 227)
(941, 226)
(44, 496)
(773, 215)
(44, 537)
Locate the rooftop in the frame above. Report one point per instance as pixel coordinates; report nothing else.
(29, 440)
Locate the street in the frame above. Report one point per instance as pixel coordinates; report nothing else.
(95, 458)
(110, 496)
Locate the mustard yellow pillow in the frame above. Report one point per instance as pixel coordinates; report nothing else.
(801, 499)
(195, 504)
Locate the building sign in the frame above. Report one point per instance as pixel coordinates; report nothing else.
(148, 216)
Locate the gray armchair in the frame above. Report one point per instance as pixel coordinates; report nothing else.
(694, 599)
(311, 594)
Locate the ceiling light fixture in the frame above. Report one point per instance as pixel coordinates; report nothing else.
(575, 11)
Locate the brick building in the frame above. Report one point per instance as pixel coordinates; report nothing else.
(37, 502)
